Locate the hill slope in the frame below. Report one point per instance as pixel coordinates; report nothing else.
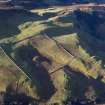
(61, 51)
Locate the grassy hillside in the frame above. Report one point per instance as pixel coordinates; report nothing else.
(61, 52)
(15, 85)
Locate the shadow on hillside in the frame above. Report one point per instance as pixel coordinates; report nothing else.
(57, 31)
(86, 25)
(11, 97)
(31, 61)
(59, 27)
(94, 42)
(11, 19)
(85, 88)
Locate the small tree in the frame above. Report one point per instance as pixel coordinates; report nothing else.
(90, 94)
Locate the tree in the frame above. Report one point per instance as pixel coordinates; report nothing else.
(90, 94)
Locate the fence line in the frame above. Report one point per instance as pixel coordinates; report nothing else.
(13, 62)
